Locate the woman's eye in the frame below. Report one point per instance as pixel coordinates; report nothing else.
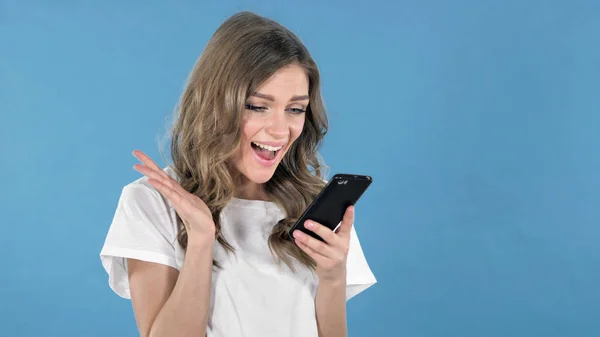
(297, 110)
(255, 107)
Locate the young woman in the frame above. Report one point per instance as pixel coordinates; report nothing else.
(201, 246)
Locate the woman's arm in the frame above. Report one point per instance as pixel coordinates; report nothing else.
(330, 305)
(330, 256)
(169, 303)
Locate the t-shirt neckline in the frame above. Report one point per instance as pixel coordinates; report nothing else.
(253, 203)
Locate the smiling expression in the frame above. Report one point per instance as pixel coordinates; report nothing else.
(273, 119)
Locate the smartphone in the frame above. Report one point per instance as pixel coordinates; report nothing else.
(328, 208)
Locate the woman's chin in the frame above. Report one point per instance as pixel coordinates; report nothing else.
(261, 176)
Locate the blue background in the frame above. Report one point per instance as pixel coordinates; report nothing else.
(479, 121)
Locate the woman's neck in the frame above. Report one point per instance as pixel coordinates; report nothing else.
(250, 192)
(246, 189)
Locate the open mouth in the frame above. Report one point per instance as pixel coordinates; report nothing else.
(264, 151)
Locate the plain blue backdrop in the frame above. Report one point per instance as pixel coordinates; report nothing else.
(479, 121)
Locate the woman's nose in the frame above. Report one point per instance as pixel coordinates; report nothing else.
(278, 126)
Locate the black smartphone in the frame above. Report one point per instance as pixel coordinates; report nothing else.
(328, 208)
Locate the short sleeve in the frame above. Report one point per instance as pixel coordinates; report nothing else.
(359, 276)
(143, 228)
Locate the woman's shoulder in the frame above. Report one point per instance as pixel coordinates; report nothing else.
(139, 191)
(143, 227)
(142, 216)
(142, 206)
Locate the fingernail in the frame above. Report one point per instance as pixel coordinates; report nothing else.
(298, 234)
(309, 224)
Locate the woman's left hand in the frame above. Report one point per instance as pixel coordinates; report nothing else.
(330, 255)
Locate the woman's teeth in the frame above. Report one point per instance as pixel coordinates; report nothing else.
(267, 147)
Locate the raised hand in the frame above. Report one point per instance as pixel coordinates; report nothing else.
(330, 255)
(196, 216)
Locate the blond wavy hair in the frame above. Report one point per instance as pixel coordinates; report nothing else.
(244, 52)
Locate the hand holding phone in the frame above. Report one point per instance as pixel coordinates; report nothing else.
(328, 208)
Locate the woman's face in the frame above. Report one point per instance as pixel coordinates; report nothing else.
(273, 119)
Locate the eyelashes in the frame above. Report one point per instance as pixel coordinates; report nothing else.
(255, 108)
(258, 108)
(296, 110)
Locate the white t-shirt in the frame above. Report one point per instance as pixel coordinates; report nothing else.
(251, 295)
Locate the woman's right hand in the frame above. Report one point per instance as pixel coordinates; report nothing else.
(196, 216)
